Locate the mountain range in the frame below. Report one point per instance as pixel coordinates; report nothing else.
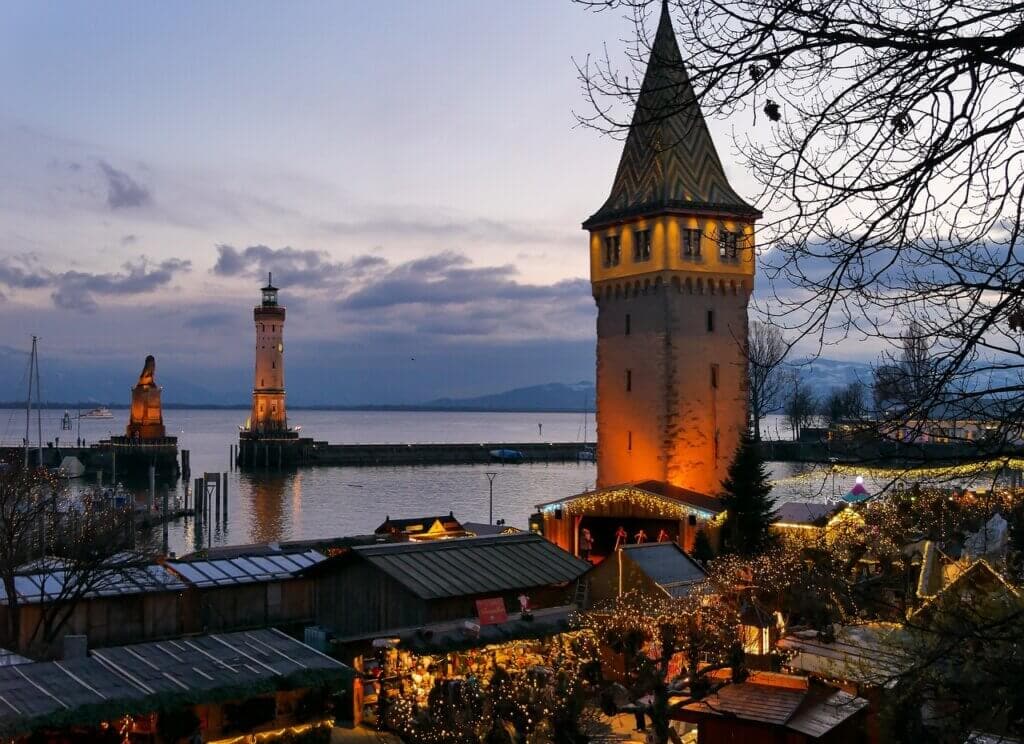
(93, 382)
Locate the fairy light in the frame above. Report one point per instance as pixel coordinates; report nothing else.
(281, 733)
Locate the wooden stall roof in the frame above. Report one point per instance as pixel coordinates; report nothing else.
(667, 565)
(777, 700)
(660, 489)
(418, 524)
(805, 513)
(479, 529)
(156, 676)
(29, 692)
(216, 661)
(50, 583)
(244, 569)
(468, 566)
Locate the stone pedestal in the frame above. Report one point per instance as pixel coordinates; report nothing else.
(147, 419)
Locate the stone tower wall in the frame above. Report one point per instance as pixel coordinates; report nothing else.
(664, 427)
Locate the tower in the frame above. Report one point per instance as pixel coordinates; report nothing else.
(672, 269)
(268, 412)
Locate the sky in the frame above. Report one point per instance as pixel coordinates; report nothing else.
(411, 172)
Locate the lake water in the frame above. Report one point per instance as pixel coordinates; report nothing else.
(331, 501)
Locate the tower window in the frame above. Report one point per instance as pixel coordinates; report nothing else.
(728, 244)
(710, 321)
(641, 245)
(629, 380)
(612, 250)
(690, 243)
(628, 324)
(629, 441)
(714, 375)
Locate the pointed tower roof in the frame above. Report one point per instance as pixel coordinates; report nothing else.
(669, 162)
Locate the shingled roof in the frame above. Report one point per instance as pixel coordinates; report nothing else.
(669, 162)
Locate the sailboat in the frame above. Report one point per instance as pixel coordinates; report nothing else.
(33, 373)
(586, 453)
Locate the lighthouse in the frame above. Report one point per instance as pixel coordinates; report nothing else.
(268, 417)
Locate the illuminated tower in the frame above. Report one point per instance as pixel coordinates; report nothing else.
(672, 269)
(268, 414)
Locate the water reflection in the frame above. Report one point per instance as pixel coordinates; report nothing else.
(264, 496)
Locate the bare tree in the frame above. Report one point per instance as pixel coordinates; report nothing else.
(886, 141)
(844, 403)
(799, 405)
(766, 350)
(54, 554)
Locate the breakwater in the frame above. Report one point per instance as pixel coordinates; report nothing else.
(274, 453)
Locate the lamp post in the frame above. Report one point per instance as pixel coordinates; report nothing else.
(490, 497)
(833, 460)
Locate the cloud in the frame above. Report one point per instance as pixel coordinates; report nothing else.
(211, 320)
(447, 279)
(123, 190)
(445, 228)
(292, 267)
(77, 290)
(445, 297)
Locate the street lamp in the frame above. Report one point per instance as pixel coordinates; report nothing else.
(490, 498)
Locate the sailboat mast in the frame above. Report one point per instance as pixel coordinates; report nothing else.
(39, 402)
(28, 401)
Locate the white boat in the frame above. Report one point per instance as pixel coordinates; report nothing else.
(97, 413)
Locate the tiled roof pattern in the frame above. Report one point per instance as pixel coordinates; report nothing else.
(669, 160)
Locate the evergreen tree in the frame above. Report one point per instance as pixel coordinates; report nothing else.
(702, 550)
(747, 499)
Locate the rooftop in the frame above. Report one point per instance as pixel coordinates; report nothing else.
(667, 565)
(470, 566)
(778, 700)
(153, 676)
(805, 513)
(669, 161)
(244, 569)
(670, 494)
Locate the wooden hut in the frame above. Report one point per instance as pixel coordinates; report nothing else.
(119, 605)
(776, 709)
(247, 591)
(637, 510)
(236, 684)
(376, 588)
(656, 569)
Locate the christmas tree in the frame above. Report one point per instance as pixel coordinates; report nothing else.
(747, 499)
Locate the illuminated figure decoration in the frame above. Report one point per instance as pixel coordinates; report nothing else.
(641, 536)
(146, 420)
(672, 270)
(268, 417)
(620, 537)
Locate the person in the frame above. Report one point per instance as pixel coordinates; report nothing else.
(641, 536)
(586, 544)
(663, 535)
(620, 537)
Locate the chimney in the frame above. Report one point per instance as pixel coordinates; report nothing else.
(76, 647)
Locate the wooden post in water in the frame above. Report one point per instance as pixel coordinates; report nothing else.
(225, 498)
(197, 499)
(166, 522)
(151, 500)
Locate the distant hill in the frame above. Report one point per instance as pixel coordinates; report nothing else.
(554, 396)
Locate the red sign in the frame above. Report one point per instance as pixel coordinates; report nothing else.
(491, 611)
